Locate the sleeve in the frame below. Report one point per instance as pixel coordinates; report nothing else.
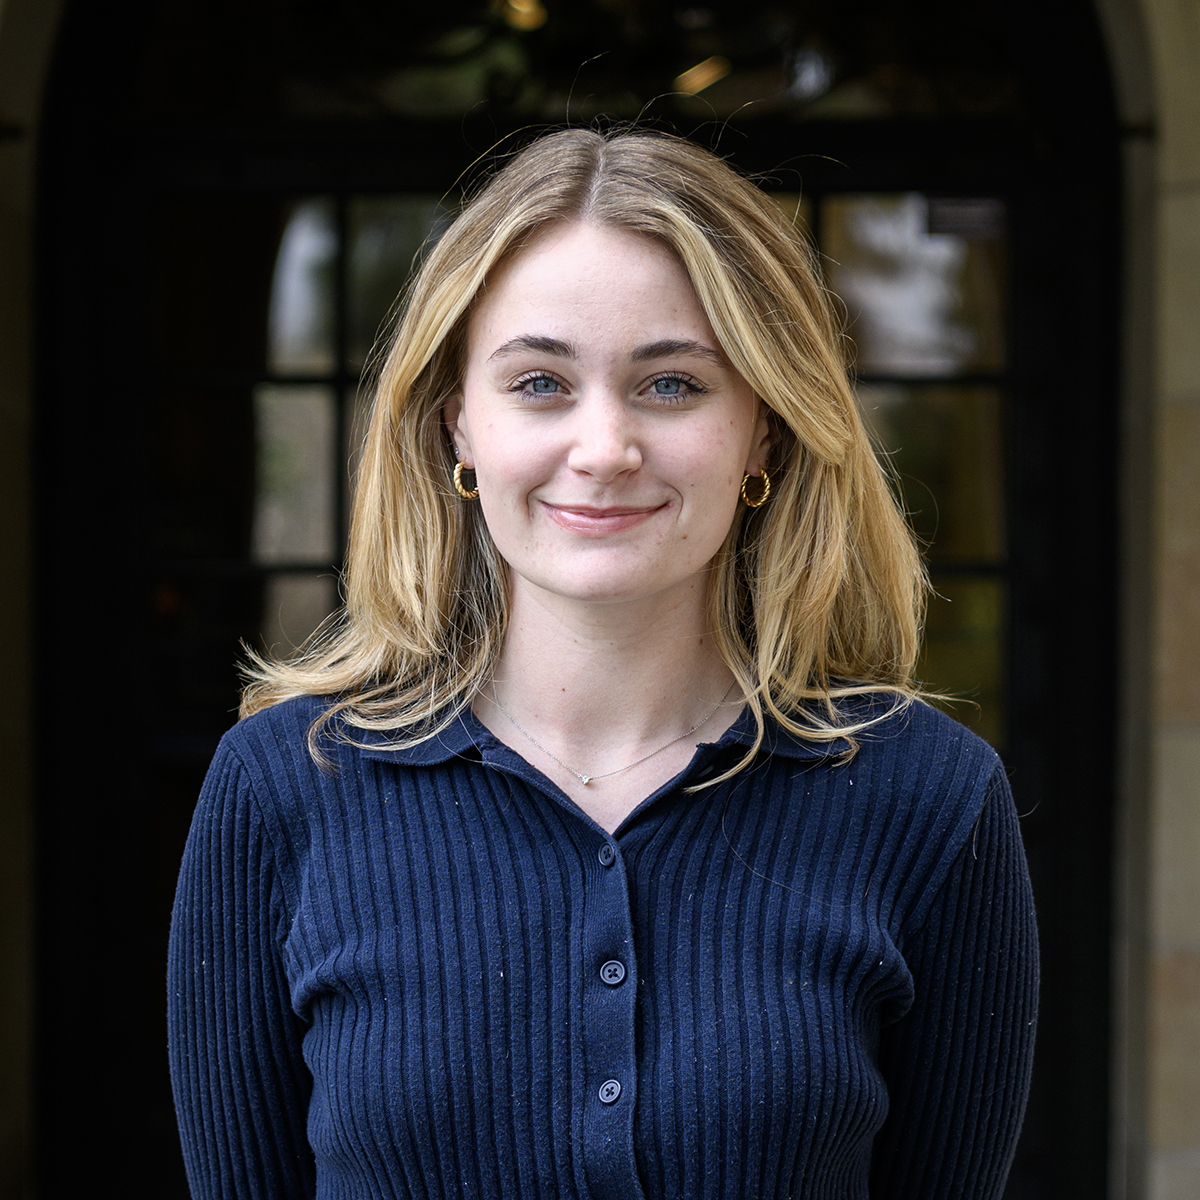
(241, 1086)
(957, 1065)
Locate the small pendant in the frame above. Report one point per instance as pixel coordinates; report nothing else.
(585, 779)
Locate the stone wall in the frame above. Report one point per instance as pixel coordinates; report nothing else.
(1173, 1067)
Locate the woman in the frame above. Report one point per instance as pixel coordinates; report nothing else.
(604, 848)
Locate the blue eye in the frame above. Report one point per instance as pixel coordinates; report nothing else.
(541, 387)
(676, 387)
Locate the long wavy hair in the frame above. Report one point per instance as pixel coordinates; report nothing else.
(816, 596)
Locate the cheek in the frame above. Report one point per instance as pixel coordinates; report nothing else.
(510, 469)
(715, 467)
(716, 489)
(508, 472)
(710, 499)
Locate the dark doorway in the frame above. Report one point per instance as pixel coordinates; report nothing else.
(185, 144)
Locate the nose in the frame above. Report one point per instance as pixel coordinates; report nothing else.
(604, 440)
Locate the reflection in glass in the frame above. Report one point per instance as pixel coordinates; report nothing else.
(301, 322)
(703, 75)
(919, 303)
(963, 651)
(810, 74)
(295, 427)
(525, 15)
(385, 234)
(945, 444)
(515, 61)
(462, 67)
(294, 604)
(797, 208)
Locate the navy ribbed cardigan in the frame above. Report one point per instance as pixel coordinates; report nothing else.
(426, 973)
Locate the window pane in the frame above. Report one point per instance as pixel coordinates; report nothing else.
(385, 233)
(301, 320)
(945, 444)
(357, 414)
(463, 67)
(963, 652)
(920, 300)
(294, 604)
(294, 481)
(797, 208)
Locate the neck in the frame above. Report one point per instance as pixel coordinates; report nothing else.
(603, 682)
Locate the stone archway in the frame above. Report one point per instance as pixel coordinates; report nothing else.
(1155, 50)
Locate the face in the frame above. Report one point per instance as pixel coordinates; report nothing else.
(607, 431)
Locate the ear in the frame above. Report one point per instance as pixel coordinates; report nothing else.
(760, 442)
(452, 414)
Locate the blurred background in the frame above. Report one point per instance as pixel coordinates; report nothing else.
(207, 211)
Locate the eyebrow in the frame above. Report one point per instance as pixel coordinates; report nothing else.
(666, 348)
(673, 346)
(538, 344)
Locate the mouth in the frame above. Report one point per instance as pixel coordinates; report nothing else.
(598, 522)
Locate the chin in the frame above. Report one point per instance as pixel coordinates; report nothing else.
(601, 591)
(601, 587)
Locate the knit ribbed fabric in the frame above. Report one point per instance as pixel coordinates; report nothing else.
(427, 974)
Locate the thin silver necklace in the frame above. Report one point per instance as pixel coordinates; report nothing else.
(586, 779)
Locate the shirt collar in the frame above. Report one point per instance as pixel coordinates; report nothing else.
(466, 735)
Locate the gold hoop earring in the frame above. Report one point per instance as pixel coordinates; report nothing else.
(458, 483)
(766, 491)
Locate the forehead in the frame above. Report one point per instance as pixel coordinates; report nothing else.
(589, 276)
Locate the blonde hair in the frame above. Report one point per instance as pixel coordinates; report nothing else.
(815, 596)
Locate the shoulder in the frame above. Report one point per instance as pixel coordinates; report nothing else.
(276, 730)
(910, 737)
(925, 779)
(249, 830)
(916, 732)
(909, 752)
(276, 749)
(269, 755)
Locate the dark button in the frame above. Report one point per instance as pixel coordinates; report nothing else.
(610, 1089)
(612, 972)
(608, 855)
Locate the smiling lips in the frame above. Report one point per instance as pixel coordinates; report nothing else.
(596, 522)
